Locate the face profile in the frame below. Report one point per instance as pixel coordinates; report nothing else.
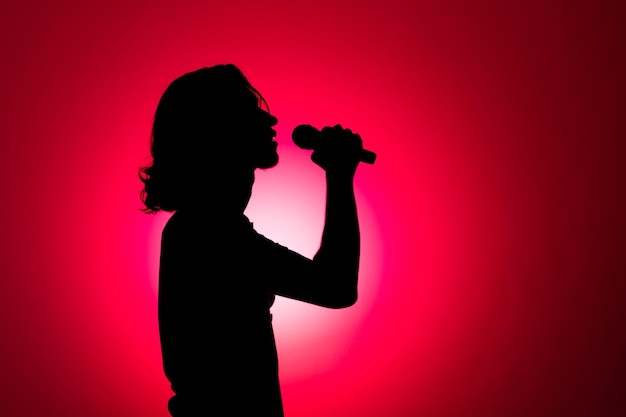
(256, 136)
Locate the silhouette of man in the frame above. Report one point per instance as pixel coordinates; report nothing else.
(218, 277)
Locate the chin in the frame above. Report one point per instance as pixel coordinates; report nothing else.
(267, 161)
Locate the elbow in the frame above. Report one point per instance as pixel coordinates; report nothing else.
(348, 302)
(344, 301)
(346, 294)
(338, 287)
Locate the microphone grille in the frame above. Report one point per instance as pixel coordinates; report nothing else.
(304, 136)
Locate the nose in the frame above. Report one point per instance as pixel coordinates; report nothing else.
(272, 119)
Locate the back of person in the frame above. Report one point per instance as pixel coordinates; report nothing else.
(217, 339)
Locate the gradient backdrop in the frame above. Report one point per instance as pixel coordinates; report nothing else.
(493, 222)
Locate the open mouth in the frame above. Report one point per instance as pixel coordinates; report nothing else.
(272, 136)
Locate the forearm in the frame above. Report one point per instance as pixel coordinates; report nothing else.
(338, 257)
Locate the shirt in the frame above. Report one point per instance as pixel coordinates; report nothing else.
(217, 282)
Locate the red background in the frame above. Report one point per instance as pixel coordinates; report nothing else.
(493, 221)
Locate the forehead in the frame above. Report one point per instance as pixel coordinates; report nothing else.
(234, 97)
(245, 97)
(230, 85)
(255, 98)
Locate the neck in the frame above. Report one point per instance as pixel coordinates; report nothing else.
(227, 196)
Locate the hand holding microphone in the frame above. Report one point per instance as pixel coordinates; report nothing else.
(308, 137)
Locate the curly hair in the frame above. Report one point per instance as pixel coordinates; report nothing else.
(194, 108)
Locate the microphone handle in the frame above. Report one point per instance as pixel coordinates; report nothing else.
(367, 156)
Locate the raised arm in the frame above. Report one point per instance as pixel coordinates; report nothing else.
(329, 279)
(337, 260)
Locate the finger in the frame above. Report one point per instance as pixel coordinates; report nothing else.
(327, 129)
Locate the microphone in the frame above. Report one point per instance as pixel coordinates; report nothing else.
(306, 137)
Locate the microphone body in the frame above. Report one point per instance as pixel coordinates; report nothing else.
(306, 137)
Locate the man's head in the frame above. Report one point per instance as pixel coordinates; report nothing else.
(209, 122)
